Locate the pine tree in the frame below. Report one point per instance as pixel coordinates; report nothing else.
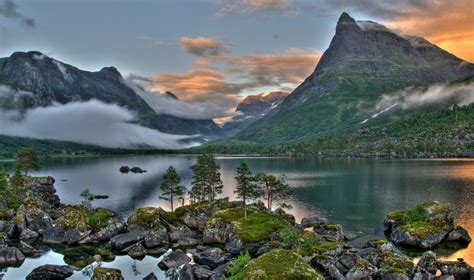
(170, 186)
(246, 187)
(207, 181)
(274, 189)
(27, 159)
(17, 181)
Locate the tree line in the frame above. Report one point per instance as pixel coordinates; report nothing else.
(207, 184)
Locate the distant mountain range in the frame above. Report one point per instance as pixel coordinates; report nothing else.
(51, 81)
(253, 108)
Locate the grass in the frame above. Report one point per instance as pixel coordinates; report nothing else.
(97, 219)
(258, 226)
(278, 264)
(417, 220)
(393, 263)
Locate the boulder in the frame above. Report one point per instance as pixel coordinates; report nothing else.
(73, 236)
(27, 249)
(124, 169)
(290, 218)
(102, 273)
(330, 232)
(137, 251)
(202, 272)
(181, 232)
(174, 260)
(50, 271)
(197, 219)
(428, 262)
(213, 257)
(53, 235)
(362, 270)
(28, 234)
(155, 238)
(218, 232)
(137, 169)
(112, 229)
(459, 234)
(312, 221)
(10, 256)
(187, 272)
(458, 269)
(150, 276)
(127, 239)
(187, 242)
(334, 273)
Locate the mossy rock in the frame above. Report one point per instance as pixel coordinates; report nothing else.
(278, 264)
(258, 226)
(75, 217)
(146, 217)
(103, 273)
(81, 256)
(393, 263)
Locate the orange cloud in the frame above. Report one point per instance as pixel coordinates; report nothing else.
(203, 46)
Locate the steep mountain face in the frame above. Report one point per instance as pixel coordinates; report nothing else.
(364, 61)
(253, 108)
(52, 81)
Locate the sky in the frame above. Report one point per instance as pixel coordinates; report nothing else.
(216, 51)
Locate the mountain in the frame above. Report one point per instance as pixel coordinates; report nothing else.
(52, 81)
(364, 61)
(253, 108)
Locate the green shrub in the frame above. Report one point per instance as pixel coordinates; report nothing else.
(239, 263)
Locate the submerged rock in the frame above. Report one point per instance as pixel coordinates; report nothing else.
(137, 251)
(50, 271)
(102, 273)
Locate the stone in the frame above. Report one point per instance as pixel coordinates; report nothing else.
(127, 239)
(137, 251)
(459, 234)
(290, 218)
(112, 229)
(213, 257)
(124, 169)
(73, 236)
(313, 221)
(181, 232)
(28, 234)
(53, 235)
(187, 242)
(330, 232)
(27, 249)
(156, 238)
(174, 260)
(334, 273)
(137, 169)
(102, 273)
(362, 269)
(202, 273)
(218, 233)
(11, 256)
(458, 269)
(187, 272)
(150, 276)
(428, 262)
(50, 271)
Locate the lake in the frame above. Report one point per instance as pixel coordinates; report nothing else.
(354, 193)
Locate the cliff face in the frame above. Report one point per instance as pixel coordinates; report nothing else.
(51, 81)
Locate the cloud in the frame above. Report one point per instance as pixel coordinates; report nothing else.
(245, 7)
(9, 9)
(91, 122)
(412, 98)
(154, 41)
(203, 46)
(446, 23)
(163, 104)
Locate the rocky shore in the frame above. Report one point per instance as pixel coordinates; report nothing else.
(213, 240)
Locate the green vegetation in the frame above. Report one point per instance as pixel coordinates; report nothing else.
(10, 195)
(246, 187)
(171, 188)
(207, 181)
(306, 243)
(27, 159)
(82, 218)
(146, 217)
(277, 264)
(239, 263)
(425, 219)
(257, 226)
(393, 263)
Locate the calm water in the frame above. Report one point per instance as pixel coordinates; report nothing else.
(354, 193)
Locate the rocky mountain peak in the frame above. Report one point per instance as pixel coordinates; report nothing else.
(111, 72)
(346, 22)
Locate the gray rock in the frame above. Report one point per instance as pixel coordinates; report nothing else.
(156, 238)
(54, 235)
(428, 262)
(219, 233)
(150, 276)
(458, 269)
(73, 236)
(334, 273)
(28, 234)
(197, 219)
(202, 273)
(313, 221)
(362, 269)
(323, 262)
(113, 228)
(10, 256)
(127, 239)
(174, 260)
(50, 271)
(459, 234)
(187, 273)
(137, 251)
(102, 273)
(187, 242)
(394, 276)
(27, 249)
(330, 232)
(213, 257)
(181, 232)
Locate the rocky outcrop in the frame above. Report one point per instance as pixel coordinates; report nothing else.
(11, 256)
(425, 226)
(174, 260)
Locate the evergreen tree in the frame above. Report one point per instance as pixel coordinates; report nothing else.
(27, 159)
(170, 186)
(17, 181)
(207, 181)
(274, 189)
(246, 187)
